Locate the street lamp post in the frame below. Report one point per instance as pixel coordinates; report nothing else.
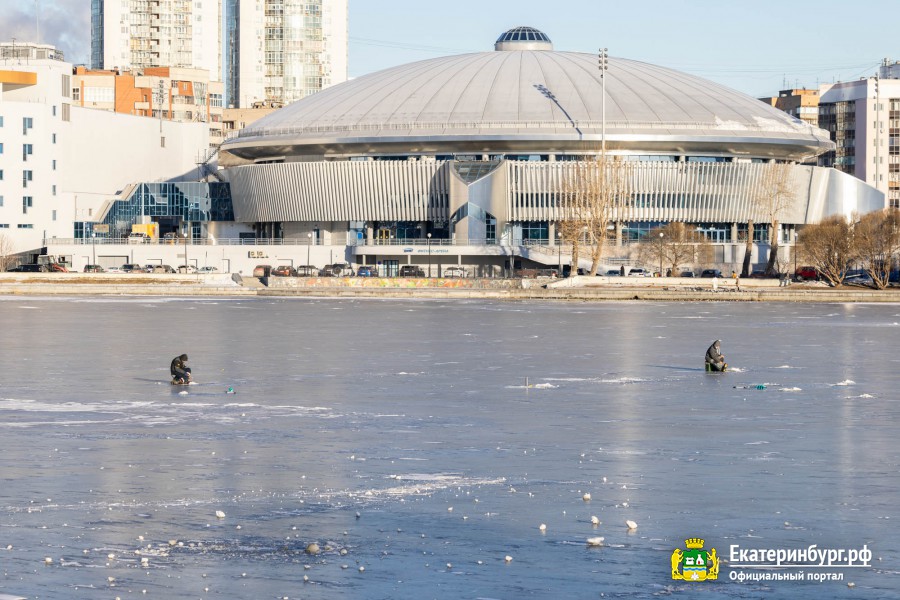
(94, 248)
(428, 235)
(187, 230)
(794, 251)
(603, 64)
(558, 254)
(661, 235)
(308, 244)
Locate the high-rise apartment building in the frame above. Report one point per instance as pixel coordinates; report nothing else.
(279, 51)
(273, 52)
(136, 34)
(863, 118)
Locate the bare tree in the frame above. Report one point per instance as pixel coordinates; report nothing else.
(876, 238)
(573, 209)
(679, 245)
(6, 252)
(829, 246)
(775, 193)
(594, 194)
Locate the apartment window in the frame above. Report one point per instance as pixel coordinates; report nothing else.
(27, 123)
(54, 110)
(25, 226)
(53, 189)
(27, 150)
(1, 147)
(76, 94)
(54, 138)
(53, 215)
(66, 112)
(1, 120)
(1, 201)
(4, 225)
(54, 164)
(26, 204)
(26, 177)
(1, 174)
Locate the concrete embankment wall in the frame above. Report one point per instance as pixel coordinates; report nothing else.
(586, 290)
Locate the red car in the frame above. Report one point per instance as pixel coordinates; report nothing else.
(806, 273)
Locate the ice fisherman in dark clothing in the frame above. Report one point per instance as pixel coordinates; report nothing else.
(714, 359)
(181, 373)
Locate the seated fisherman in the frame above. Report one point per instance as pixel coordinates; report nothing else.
(714, 359)
(181, 373)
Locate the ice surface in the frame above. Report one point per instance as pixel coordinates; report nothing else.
(400, 437)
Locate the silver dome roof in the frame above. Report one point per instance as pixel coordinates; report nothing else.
(527, 100)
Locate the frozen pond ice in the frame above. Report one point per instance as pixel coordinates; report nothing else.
(421, 444)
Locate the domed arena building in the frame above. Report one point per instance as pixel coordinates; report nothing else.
(466, 158)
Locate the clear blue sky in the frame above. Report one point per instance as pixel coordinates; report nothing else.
(752, 46)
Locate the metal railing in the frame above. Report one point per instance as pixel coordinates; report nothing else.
(444, 125)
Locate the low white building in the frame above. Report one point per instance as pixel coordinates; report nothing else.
(59, 163)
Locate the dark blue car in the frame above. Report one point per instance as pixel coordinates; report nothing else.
(367, 271)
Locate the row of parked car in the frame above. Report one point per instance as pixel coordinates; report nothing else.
(135, 268)
(346, 270)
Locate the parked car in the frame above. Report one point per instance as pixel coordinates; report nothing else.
(284, 271)
(455, 272)
(132, 269)
(411, 271)
(208, 270)
(342, 270)
(307, 271)
(638, 272)
(327, 271)
(93, 269)
(261, 270)
(807, 273)
(161, 269)
(613, 273)
(367, 271)
(688, 274)
(710, 273)
(113, 270)
(190, 269)
(29, 269)
(138, 238)
(567, 270)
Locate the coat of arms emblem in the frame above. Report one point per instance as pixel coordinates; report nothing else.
(695, 563)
